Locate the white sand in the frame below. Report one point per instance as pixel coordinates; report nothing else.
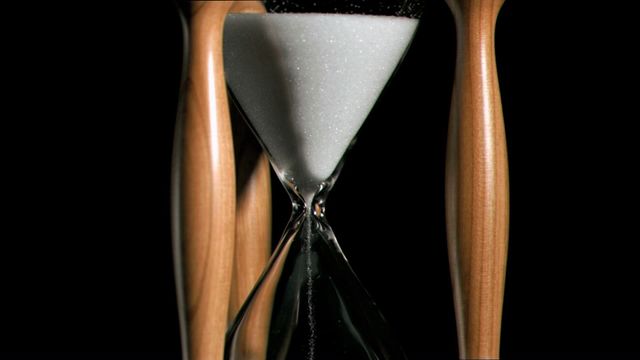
(308, 81)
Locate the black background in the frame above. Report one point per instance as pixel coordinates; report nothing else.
(87, 129)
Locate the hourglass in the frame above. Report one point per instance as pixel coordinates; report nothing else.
(306, 76)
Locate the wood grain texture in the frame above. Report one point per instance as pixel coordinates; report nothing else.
(204, 187)
(253, 211)
(253, 220)
(208, 203)
(253, 224)
(252, 251)
(253, 216)
(477, 198)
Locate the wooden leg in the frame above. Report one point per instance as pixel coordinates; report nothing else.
(253, 212)
(204, 190)
(253, 233)
(477, 183)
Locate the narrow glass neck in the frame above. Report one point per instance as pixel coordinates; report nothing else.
(305, 193)
(309, 201)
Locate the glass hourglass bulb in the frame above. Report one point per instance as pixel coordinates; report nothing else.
(306, 82)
